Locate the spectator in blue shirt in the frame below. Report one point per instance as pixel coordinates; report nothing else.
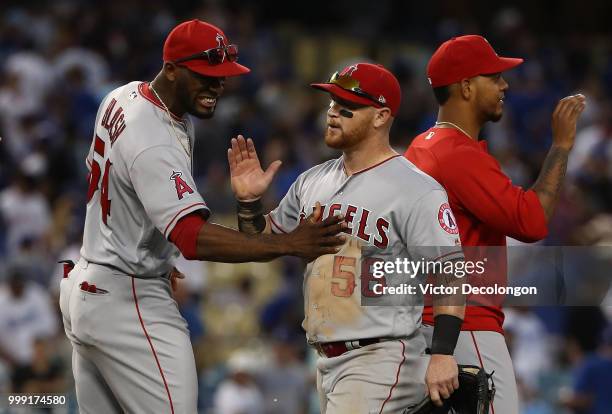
(592, 388)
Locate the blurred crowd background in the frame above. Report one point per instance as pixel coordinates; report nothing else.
(58, 59)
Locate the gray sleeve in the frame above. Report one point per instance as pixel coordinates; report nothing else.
(162, 180)
(431, 229)
(286, 216)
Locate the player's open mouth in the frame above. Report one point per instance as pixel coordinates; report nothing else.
(207, 102)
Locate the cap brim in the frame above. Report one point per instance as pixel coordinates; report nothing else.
(343, 93)
(223, 70)
(503, 64)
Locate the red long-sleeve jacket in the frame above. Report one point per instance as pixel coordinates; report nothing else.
(486, 205)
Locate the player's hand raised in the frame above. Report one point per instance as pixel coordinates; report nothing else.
(249, 180)
(442, 377)
(315, 237)
(564, 120)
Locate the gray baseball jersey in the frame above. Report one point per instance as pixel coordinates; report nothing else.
(392, 207)
(140, 183)
(131, 348)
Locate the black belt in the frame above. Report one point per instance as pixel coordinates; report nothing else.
(334, 349)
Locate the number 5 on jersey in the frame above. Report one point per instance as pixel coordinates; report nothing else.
(343, 276)
(94, 179)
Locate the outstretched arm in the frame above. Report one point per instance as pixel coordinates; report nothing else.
(549, 182)
(199, 240)
(309, 240)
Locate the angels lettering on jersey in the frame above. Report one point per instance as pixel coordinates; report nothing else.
(357, 218)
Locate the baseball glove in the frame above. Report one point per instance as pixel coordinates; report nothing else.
(474, 395)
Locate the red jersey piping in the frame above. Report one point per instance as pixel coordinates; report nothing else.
(373, 166)
(146, 93)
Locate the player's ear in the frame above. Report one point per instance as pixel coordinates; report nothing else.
(170, 71)
(381, 117)
(466, 88)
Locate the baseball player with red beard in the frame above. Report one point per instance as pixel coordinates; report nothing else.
(131, 348)
(466, 76)
(373, 359)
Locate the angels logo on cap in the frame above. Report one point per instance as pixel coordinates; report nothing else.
(349, 70)
(220, 40)
(447, 219)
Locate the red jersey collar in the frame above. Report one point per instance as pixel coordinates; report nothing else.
(481, 143)
(146, 92)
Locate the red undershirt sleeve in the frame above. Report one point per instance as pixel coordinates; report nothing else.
(185, 234)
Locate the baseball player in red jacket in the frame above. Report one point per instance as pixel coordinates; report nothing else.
(466, 76)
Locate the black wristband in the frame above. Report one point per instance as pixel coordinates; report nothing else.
(250, 216)
(445, 334)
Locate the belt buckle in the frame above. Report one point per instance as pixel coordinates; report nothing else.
(351, 345)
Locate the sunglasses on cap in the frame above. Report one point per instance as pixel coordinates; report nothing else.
(215, 56)
(351, 84)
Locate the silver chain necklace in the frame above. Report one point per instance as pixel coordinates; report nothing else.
(453, 125)
(176, 135)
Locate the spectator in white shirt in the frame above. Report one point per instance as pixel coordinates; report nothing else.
(26, 313)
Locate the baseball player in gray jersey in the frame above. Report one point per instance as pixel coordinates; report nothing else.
(372, 358)
(131, 348)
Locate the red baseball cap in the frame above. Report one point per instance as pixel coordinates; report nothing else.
(465, 57)
(365, 84)
(195, 36)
